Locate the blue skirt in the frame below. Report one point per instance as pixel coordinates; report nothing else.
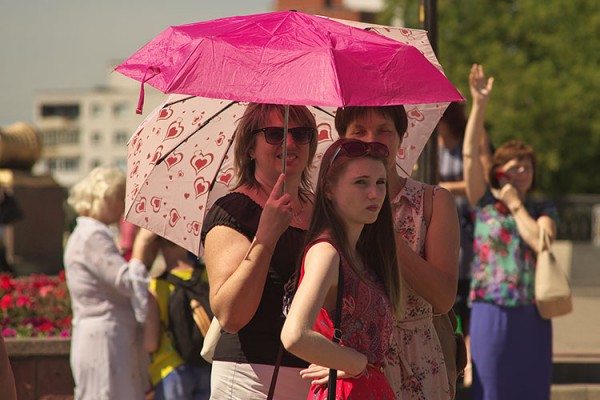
(511, 352)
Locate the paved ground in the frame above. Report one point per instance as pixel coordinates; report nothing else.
(577, 335)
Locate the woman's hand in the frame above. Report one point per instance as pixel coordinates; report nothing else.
(276, 215)
(481, 88)
(508, 195)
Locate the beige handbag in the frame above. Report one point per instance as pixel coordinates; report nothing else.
(210, 340)
(552, 290)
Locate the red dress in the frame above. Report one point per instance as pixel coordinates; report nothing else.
(366, 326)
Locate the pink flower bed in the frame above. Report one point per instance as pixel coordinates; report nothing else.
(34, 306)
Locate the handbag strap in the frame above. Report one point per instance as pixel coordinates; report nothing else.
(544, 241)
(337, 331)
(275, 373)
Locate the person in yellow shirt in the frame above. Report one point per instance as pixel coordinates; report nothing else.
(171, 376)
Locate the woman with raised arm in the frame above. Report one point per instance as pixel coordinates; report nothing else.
(511, 345)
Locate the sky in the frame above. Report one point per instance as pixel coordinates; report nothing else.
(68, 44)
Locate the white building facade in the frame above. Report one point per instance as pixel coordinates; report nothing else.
(83, 129)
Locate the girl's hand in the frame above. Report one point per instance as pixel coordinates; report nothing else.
(320, 375)
(276, 215)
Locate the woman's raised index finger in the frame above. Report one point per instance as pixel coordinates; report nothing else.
(276, 193)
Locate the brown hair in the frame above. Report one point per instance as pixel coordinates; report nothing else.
(512, 150)
(345, 116)
(455, 119)
(376, 245)
(255, 117)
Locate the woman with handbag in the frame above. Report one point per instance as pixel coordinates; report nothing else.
(349, 280)
(511, 345)
(253, 239)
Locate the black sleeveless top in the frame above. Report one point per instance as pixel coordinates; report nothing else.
(258, 342)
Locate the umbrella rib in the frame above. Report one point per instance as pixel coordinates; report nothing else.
(178, 101)
(194, 132)
(323, 111)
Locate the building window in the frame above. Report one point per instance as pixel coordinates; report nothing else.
(51, 163)
(96, 110)
(55, 137)
(120, 109)
(95, 138)
(121, 163)
(69, 111)
(120, 138)
(95, 163)
(70, 164)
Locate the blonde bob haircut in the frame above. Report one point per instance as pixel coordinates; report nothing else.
(257, 116)
(90, 196)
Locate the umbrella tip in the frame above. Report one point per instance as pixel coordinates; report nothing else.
(293, 10)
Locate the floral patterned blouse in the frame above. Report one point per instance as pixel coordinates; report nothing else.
(415, 365)
(503, 265)
(366, 325)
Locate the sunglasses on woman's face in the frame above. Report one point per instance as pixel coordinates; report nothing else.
(274, 135)
(359, 149)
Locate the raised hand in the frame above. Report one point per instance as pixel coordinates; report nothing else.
(276, 216)
(481, 88)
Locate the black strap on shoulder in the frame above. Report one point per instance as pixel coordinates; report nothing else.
(337, 331)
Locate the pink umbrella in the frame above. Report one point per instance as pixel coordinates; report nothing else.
(288, 57)
(180, 158)
(183, 149)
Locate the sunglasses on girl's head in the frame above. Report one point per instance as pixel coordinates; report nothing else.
(356, 148)
(274, 135)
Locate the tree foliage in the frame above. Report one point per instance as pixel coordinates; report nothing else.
(545, 58)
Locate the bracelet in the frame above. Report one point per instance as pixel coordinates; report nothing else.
(515, 209)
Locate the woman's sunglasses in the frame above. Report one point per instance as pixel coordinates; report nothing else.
(274, 135)
(357, 148)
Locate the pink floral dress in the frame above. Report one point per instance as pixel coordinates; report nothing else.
(366, 326)
(415, 364)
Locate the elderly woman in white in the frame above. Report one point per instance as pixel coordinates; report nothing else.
(108, 294)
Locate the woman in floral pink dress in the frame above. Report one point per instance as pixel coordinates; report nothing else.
(348, 235)
(427, 250)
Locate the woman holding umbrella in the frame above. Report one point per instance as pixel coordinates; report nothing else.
(252, 239)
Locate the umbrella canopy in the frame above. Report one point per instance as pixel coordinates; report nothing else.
(288, 57)
(180, 160)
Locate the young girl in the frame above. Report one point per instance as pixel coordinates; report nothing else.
(351, 230)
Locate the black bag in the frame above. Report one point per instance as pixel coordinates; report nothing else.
(189, 315)
(9, 208)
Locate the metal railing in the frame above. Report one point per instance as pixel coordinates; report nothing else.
(575, 213)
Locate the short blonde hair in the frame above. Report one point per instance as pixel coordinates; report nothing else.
(91, 195)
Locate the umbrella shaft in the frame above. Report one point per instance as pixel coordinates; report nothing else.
(285, 136)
